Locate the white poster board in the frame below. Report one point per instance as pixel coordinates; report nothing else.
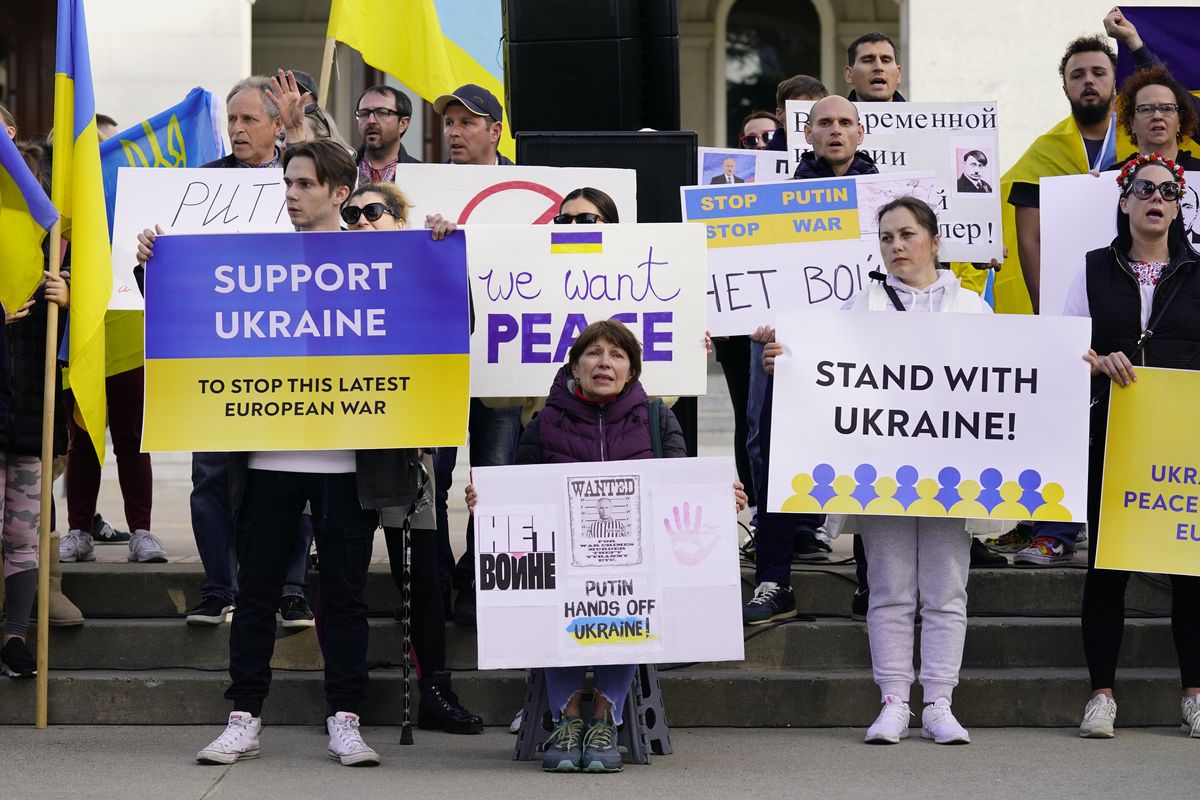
(536, 287)
(961, 415)
(955, 140)
(499, 195)
(796, 244)
(713, 164)
(607, 563)
(189, 200)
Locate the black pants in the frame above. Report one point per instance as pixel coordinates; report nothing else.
(428, 615)
(266, 538)
(733, 354)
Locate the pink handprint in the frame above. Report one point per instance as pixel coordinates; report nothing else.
(690, 543)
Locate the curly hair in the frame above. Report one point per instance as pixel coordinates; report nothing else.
(1157, 75)
(1086, 44)
(396, 201)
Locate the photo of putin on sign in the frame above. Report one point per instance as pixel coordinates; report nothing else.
(970, 178)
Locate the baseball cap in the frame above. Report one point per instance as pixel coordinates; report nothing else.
(306, 83)
(477, 100)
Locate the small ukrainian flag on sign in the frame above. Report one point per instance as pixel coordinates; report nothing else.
(575, 242)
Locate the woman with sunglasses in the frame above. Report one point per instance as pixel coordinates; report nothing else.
(383, 207)
(759, 128)
(1142, 294)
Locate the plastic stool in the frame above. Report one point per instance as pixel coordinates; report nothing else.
(643, 732)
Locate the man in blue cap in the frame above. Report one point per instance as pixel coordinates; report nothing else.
(471, 123)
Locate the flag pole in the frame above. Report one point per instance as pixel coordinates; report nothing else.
(41, 715)
(326, 70)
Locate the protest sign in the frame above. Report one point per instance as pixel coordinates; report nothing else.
(1150, 500)
(957, 141)
(189, 201)
(535, 288)
(607, 563)
(469, 194)
(779, 246)
(306, 341)
(749, 166)
(931, 415)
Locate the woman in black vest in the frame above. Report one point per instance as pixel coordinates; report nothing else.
(1147, 280)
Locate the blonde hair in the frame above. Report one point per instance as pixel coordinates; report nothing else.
(393, 198)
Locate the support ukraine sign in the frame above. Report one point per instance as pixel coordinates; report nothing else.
(306, 341)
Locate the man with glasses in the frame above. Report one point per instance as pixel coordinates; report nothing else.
(383, 115)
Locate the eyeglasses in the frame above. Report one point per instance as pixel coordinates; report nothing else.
(1144, 189)
(750, 140)
(581, 219)
(1148, 109)
(372, 211)
(380, 113)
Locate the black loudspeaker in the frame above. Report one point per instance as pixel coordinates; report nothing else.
(591, 64)
(664, 161)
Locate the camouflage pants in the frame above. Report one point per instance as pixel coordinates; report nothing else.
(21, 501)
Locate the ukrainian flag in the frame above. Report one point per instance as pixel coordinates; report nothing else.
(26, 214)
(77, 190)
(432, 46)
(576, 242)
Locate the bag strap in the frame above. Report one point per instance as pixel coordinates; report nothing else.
(656, 443)
(891, 292)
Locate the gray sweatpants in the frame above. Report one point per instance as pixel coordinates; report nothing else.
(907, 558)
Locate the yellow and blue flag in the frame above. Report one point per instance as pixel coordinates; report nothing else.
(432, 46)
(77, 190)
(576, 242)
(1171, 33)
(26, 215)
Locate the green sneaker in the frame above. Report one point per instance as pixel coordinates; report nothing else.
(563, 751)
(600, 748)
(1014, 541)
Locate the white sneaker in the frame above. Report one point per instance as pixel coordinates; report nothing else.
(515, 725)
(346, 743)
(145, 548)
(1098, 717)
(892, 723)
(76, 546)
(1191, 716)
(239, 741)
(938, 723)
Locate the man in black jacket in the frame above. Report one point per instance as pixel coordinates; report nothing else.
(383, 115)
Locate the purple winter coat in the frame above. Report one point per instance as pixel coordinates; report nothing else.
(571, 430)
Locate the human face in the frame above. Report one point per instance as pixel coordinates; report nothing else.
(874, 73)
(1158, 131)
(105, 131)
(1090, 86)
(908, 250)
(604, 508)
(381, 134)
(972, 168)
(470, 138)
(311, 206)
(579, 205)
(834, 131)
(727, 165)
(602, 371)
(1188, 204)
(386, 222)
(252, 131)
(760, 128)
(1150, 218)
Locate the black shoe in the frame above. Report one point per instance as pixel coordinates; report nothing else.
(770, 602)
(210, 611)
(295, 613)
(440, 709)
(464, 608)
(104, 533)
(860, 603)
(810, 548)
(16, 661)
(981, 556)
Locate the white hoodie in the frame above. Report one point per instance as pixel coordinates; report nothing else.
(944, 294)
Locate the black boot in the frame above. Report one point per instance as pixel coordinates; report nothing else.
(440, 709)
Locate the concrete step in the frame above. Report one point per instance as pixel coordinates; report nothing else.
(693, 697)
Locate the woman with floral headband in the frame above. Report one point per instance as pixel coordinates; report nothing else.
(1142, 294)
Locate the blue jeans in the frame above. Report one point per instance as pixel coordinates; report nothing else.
(611, 680)
(493, 443)
(213, 528)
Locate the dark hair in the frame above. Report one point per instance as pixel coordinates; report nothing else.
(867, 38)
(397, 202)
(1086, 44)
(614, 331)
(753, 115)
(603, 203)
(334, 166)
(7, 116)
(105, 119)
(978, 155)
(925, 215)
(798, 85)
(403, 104)
(1175, 234)
(1158, 75)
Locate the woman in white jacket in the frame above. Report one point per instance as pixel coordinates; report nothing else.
(911, 558)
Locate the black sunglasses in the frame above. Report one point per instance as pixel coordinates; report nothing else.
(372, 211)
(750, 140)
(1143, 189)
(582, 219)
